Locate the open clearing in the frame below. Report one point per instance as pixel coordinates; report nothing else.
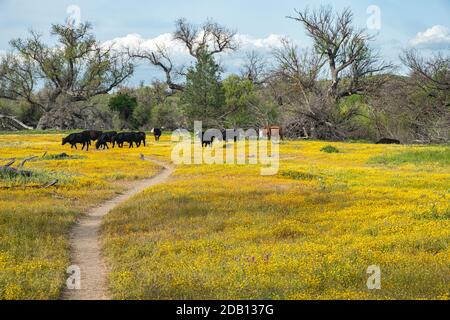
(226, 232)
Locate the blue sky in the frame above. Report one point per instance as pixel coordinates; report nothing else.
(401, 20)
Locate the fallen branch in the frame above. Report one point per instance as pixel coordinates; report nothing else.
(25, 161)
(16, 124)
(9, 164)
(45, 186)
(48, 185)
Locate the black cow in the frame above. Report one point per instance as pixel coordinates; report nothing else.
(206, 140)
(131, 138)
(140, 137)
(93, 135)
(106, 137)
(388, 141)
(78, 138)
(158, 133)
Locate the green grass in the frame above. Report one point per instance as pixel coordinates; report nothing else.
(441, 157)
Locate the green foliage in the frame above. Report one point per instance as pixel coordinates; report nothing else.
(204, 95)
(124, 104)
(440, 157)
(240, 96)
(169, 114)
(330, 149)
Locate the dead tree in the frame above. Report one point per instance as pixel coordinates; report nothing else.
(427, 92)
(209, 38)
(315, 82)
(254, 68)
(345, 47)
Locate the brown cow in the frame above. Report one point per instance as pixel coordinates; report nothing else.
(271, 131)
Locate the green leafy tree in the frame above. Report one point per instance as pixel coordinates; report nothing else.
(204, 96)
(241, 102)
(73, 68)
(125, 105)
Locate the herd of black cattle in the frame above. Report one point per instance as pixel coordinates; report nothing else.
(103, 138)
(138, 138)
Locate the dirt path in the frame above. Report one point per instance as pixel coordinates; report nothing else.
(86, 247)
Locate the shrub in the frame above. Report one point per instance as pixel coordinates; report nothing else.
(330, 149)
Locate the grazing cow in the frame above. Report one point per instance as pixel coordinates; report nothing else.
(206, 140)
(102, 142)
(140, 137)
(157, 133)
(271, 131)
(131, 138)
(388, 141)
(93, 135)
(123, 137)
(78, 138)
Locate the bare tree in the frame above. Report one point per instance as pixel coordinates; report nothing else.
(209, 38)
(254, 68)
(427, 92)
(434, 72)
(316, 82)
(344, 46)
(161, 59)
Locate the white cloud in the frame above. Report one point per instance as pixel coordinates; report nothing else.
(435, 37)
(246, 43)
(232, 61)
(250, 43)
(135, 41)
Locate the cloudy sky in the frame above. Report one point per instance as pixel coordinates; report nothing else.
(260, 23)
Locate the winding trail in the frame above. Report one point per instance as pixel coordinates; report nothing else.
(86, 250)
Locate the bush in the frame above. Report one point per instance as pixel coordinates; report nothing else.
(330, 149)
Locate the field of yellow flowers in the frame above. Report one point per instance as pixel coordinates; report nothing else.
(35, 223)
(310, 232)
(225, 231)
